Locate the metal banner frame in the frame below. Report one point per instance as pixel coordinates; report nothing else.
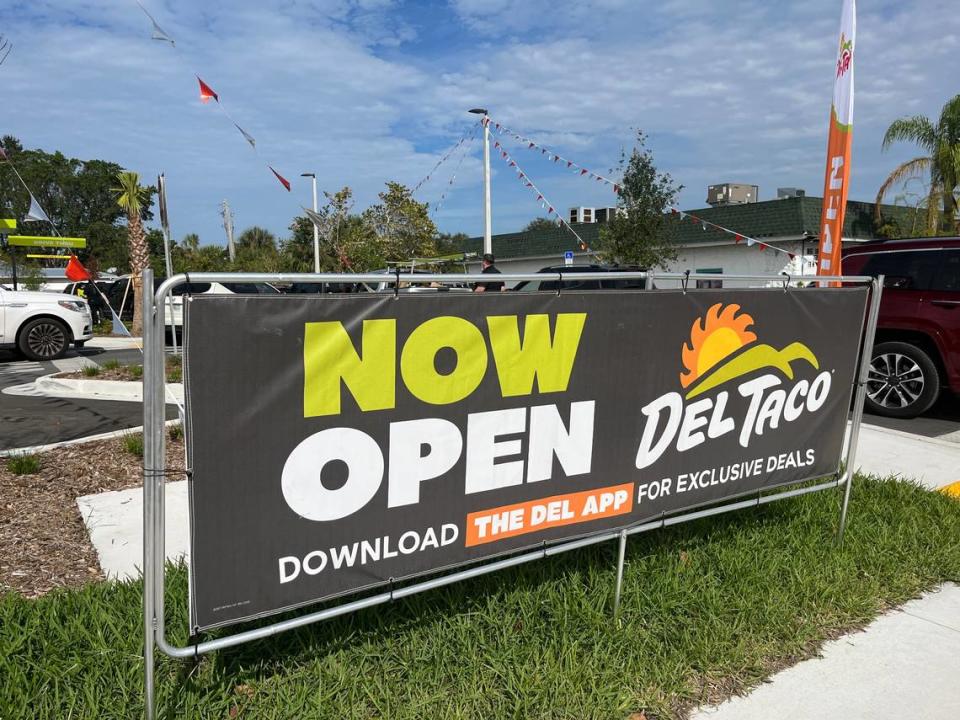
(155, 473)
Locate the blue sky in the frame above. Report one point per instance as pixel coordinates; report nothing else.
(363, 91)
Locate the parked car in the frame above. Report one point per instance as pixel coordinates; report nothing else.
(554, 285)
(916, 352)
(43, 325)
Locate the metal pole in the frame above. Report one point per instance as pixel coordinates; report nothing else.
(316, 231)
(866, 357)
(148, 500)
(621, 555)
(168, 261)
(487, 214)
(157, 440)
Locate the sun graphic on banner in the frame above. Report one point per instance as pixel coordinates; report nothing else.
(714, 337)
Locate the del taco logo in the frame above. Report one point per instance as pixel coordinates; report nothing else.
(724, 358)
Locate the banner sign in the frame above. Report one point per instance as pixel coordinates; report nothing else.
(46, 241)
(342, 442)
(839, 141)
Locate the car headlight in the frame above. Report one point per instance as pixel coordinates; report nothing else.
(76, 306)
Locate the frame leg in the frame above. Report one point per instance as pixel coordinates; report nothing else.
(621, 555)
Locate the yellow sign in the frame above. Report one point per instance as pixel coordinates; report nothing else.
(44, 241)
(7, 224)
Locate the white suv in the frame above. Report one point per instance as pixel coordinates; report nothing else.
(43, 325)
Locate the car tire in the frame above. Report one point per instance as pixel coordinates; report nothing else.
(44, 339)
(902, 382)
(79, 344)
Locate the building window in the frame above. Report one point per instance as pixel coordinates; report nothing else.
(710, 283)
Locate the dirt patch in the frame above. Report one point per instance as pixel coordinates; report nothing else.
(123, 372)
(43, 542)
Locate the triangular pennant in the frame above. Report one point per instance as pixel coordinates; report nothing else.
(532, 145)
(704, 226)
(556, 158)
(569, 164)
(246, 136)
(75, 270)
(158, 32)
(281, 178)
(36, 212)
(750, 242)
(543, 151)
(529, 184)
(737, 238)
(206, 92)
(550, 209)
(3, 154)
(673, 211)
(791, 255)
(496, 143)
(763, 246)
(616, 189)
(118, 328)
(539, 197)
(584, 172)
(513, 164)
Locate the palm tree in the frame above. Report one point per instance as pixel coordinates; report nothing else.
(941, 143)
(132, 197)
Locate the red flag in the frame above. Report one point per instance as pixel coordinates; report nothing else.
(556, 158)
(672, 210)
(513, 164)
(569, 163)
(791, 255)
(76, 271)
(531, 145)
(550, 209)
(281, 178)
(737, 238)
(763, 246)
(616, 189)
(539, 197)
(584, 172)
(496, 144)
(206, 92)
(3, 154)
(543, 151)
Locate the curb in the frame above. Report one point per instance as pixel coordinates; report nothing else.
(120, 390)
(32, 449)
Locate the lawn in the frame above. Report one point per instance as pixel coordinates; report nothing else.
(709, 609)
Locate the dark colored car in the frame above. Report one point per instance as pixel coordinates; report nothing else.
(554, 285)
(916, 350)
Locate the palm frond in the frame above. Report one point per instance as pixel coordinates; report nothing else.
(130, 194)
(949, 125)
(916, 129)
(905, 171)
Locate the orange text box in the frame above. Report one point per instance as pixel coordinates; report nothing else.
(508, 521)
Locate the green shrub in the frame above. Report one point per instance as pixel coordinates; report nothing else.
(24, 464)
(133, 444)
(176, 432)
(111, 364)
(91, 370)
(136, 371)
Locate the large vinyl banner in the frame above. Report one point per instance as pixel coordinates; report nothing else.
(342, 442)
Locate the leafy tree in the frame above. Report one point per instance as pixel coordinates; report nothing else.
(941, 143)
(540, 224)
(402, 226)
(130, 197)
(256, 251)
(642, 232)
(449, 243)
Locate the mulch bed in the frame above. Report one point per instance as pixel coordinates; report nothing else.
(120, 373)
(43, 542)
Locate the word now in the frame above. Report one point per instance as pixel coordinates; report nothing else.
(330, 360)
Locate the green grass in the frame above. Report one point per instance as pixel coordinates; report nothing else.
(23, 464)
(715, 603)
(176, 432)
(174, 368)
(136, 371)
(133, 443)
(90, 370)
(111, 364)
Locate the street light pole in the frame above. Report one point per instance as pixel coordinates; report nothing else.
(487, 214)
(316, 232)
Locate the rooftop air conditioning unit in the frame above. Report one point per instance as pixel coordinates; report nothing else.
(582, 215)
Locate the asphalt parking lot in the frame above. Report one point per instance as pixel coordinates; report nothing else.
(28, 421)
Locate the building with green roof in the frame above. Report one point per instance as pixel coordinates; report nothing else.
(790, 224)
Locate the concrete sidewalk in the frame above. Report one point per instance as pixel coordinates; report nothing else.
(904, 663)
(932, 462)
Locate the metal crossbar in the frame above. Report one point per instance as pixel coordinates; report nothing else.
(154, 380)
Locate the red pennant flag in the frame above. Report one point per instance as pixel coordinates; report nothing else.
(550, 209)
(737, 238)
(672, 210)
(543, 151)
(529, 184)
(584, 172)
(496, 144)
(206, 92)
(3, 154)
(539, 197)
(281, 178)
(763, 246)
(791, 255)
(616, 189)
(695, 220)
(556, 158)
(521, 176)
(569, 164)
(497, 125)
(532, 145)
(76, 271)
(513, 164)
(583, 246)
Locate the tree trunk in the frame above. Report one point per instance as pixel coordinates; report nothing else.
(139, 260)
(137, 283)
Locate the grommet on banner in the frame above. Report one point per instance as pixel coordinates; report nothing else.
(685, 281)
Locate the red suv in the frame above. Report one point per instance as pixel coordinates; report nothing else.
(917, 346)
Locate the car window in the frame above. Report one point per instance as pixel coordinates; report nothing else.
(570, 285)
(948, 274)
(904, 270)
(193, 288)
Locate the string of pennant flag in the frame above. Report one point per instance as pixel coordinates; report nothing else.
(585, 172)
(36, 213)
(207, 93)
(456, 169)
(465, 139)
(541, 198)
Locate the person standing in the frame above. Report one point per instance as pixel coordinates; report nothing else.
(489, 269)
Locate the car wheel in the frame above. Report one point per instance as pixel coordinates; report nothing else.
(44, 339)
(79, 344)
(902, 381)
